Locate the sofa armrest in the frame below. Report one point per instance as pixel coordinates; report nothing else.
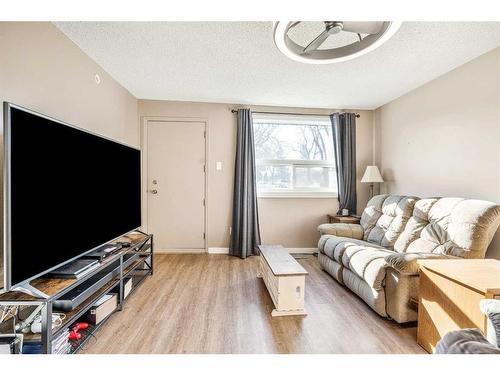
(407, 263)
(491, 308)
(342, 230)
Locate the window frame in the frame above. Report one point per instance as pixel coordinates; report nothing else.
(295, 192)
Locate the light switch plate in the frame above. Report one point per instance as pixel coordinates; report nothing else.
(218, 166)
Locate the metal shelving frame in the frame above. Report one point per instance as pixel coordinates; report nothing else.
(144, 249)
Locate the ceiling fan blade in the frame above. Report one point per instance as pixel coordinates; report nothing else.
(363, 27)
(317, 42)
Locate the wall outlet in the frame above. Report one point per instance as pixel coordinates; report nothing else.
(218, 166)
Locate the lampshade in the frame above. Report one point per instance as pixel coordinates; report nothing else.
(372, 174)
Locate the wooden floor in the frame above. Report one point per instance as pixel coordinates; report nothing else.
(216, 304)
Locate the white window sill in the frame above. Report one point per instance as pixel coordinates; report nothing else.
(297, 194)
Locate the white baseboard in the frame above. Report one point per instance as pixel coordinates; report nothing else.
(291, 250)
(180, 251)
(218, 250)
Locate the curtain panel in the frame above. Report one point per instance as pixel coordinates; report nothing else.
(344, 141)
(245, 234)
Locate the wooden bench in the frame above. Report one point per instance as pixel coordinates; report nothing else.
(285, 280)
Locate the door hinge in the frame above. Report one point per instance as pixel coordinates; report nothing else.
(205, 134)
(203, 235)
(204, 168)
(204, 201)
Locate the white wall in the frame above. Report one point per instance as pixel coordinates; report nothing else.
(443, 139)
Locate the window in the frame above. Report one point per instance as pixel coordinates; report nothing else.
(294, 156)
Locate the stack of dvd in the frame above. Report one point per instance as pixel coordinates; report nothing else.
(61, 344)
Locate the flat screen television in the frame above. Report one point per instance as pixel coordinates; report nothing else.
(66, 192)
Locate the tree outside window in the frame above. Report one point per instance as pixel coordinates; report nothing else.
(294, 156)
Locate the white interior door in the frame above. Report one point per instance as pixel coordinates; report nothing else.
(176, 184)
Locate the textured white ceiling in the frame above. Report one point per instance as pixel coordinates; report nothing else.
(237, 62)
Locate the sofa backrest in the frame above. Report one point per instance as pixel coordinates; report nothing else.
(452, 226)
(415, 225)
(385, 218)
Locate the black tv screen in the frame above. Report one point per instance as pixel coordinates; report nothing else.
(68, 192)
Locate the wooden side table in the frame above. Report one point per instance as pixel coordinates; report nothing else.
(343, 219)
(450, 292)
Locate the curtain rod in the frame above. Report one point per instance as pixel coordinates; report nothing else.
(290, 113)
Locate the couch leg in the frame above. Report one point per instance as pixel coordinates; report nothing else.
(413, 304)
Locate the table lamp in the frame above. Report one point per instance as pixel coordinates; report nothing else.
(372, 175)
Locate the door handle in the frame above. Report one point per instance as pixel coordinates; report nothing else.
(154, 191)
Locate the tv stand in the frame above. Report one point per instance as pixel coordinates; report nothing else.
(135, 261)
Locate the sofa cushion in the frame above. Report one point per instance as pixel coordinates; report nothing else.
(375, 298)
(385, 218)
(372, 213)
(364, 259)
(334, 246)
(331, 266)
(416, 223)
(368, 263)
(342, 230)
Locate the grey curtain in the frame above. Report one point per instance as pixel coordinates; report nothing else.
(245, 235)
(344, 141)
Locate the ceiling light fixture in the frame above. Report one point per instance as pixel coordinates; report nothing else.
(370, 35)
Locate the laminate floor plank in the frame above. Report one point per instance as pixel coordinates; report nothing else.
(200, 303)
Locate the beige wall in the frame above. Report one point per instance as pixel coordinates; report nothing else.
(291, 222)
(443, 139)
(41, 69)
(50, 74)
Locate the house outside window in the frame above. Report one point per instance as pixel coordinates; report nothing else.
(294, 156)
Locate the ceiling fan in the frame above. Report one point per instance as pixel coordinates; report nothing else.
(370, 35)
